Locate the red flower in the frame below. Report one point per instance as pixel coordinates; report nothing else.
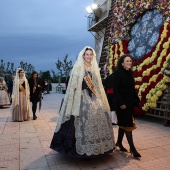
(147, 89)
(168, 50)
(157, 70)
(144, 67)
(152, 85)
(140, 73)
(146, 79)
(161, 29)
(152, 72)
(160, 76)
(135, 73)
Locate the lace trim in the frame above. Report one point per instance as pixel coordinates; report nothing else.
(94, 134)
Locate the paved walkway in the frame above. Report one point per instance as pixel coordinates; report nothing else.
(25, 145)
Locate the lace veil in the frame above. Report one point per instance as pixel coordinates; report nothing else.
(15, 92)
(72, 98)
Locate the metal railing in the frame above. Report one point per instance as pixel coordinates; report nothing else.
(94, 17)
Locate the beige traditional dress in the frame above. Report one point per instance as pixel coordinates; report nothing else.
(4, 98)
(20, 100)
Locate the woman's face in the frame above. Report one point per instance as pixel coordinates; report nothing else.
(35, 76)
(88, 56)
(21, 74)
(127, 63)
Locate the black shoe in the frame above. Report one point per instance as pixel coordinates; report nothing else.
(34, 117)
(121, 147)
(135, 153)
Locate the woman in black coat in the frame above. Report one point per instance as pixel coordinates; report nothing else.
(35, 92)
(126, 99)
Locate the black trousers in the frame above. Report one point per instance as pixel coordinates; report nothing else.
(34, 107)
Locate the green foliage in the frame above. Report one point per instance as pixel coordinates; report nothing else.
(46, 75)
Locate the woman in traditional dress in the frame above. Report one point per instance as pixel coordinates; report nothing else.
(4, 98)
(20, 97)
(84, 128)
(126, 99)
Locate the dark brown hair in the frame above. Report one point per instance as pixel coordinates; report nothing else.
(34, 72)
(20, 70)
(121, 60)
(87, 49)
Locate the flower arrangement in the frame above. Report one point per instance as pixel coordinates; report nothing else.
(149, 71)
(126, 12)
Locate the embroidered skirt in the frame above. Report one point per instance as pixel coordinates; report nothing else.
(90, 134)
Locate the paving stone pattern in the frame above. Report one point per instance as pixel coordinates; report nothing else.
(25, 145)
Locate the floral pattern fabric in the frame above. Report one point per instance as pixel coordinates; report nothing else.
(93, 128)
(145, 33)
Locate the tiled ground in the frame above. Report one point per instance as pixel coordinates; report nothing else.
(25, 145)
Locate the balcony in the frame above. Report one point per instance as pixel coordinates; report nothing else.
(98, 19)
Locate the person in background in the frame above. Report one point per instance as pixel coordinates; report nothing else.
(35, 92)
(20, 97)
(4, 98)
(110, 96)
(10, 87)
(45, 87)
(126, 99)
(84, 128)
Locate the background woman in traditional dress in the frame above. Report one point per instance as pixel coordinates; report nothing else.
(126, 99)
(20, 97)
(84, 128)
(4, 98)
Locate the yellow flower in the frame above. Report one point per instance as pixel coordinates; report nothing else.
(139, 78)
(165, 64)
(164, 87)
(153, 105)
(158, 64)
(152, 91)
(166, 13)
(163, 53)
(151, 59)
(133, 68)
(159, 59)
(139, 68)
(166, 45)
(154, 54)
(148, 96)
(153, 99)
(159, 93)
(137, 87)
(144, 108)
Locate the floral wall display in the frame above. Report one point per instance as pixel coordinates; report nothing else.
(141, 28)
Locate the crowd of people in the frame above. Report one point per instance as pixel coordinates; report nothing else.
(89, 108)
(19, 93)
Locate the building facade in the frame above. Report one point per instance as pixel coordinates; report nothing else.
(97, 23)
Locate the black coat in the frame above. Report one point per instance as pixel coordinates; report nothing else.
(35, 97)
(124, 94)
(108, 84)
(10, 86)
